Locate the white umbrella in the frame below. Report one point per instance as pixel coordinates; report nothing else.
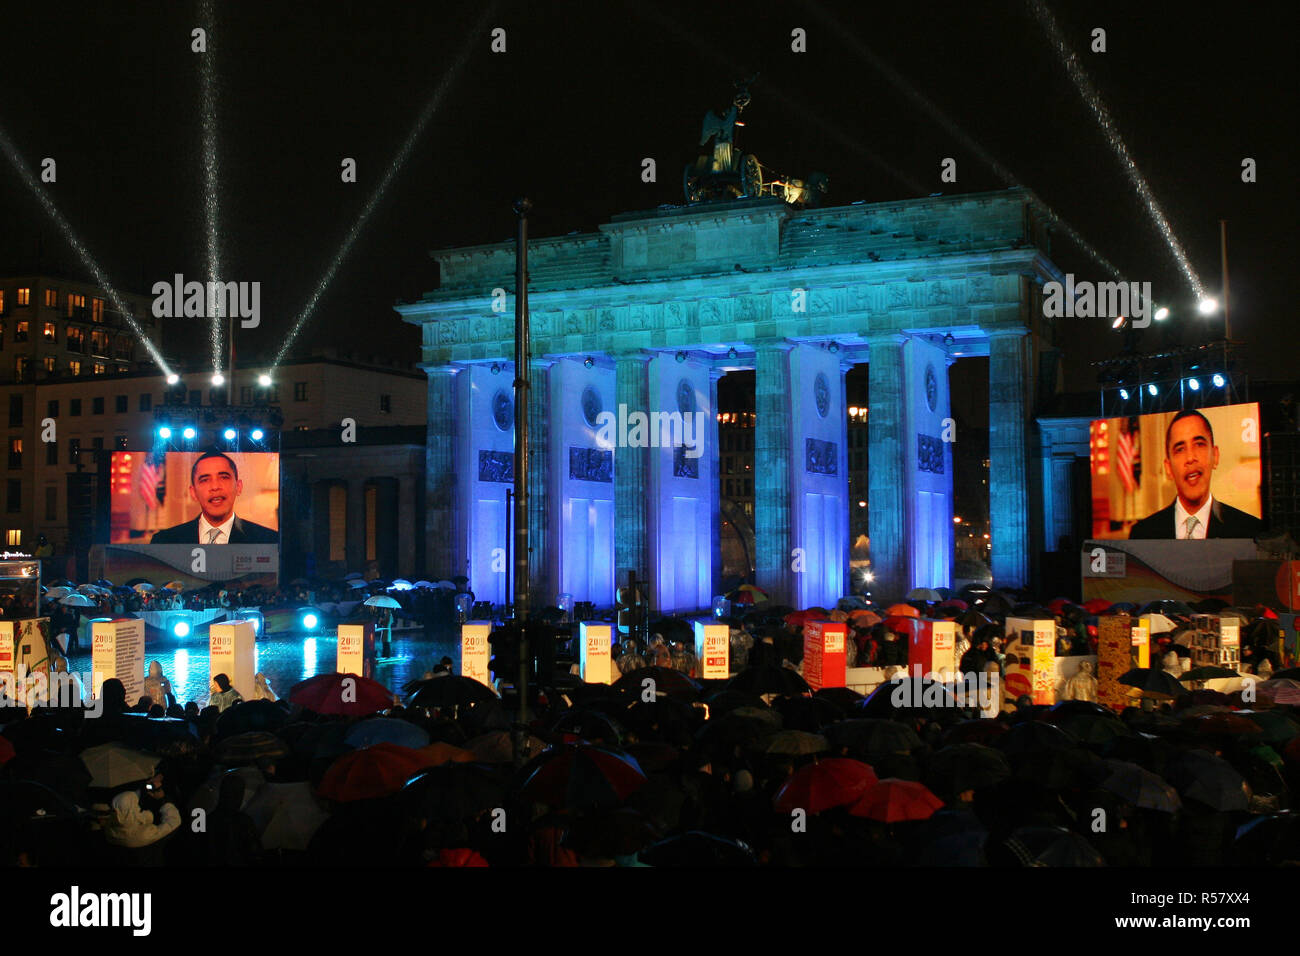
(144, 586)
(423, 584)
(924, 594)
(114, 764)
(55, 593)
(445, 585)
(356, 585)
(1161, 624)
(286, 814)
(354, 575)
(76, 600)
(382, 600)
(400, 584)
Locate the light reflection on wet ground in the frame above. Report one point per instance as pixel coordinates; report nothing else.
(285, 659)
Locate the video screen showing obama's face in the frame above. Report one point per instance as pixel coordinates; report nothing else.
(214, 486)
(1190, 459)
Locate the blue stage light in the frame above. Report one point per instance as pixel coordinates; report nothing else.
(1217, 380)
(189, 434)
(181, 628)
(164, 433)
(1194, 385)
(230, 434)
(1123, 393)
(1152, 390)
(309, 621)
(257, 434)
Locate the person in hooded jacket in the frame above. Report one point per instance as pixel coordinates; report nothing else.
(134, 829)
(975, 659)
(157, 687)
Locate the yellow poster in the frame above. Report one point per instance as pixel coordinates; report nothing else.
(1044, 665)
(595, 658)
(713, 650)
(232, 650)
(475, 652)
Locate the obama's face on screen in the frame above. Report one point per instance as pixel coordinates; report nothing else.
(1190, 459)
(215, 485)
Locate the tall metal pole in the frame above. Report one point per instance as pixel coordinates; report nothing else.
(1223, 260)
(522, 208)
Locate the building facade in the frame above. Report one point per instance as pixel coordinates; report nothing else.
(645, 315)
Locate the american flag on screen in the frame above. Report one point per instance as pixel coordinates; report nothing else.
(151, 479)
(1125, 457)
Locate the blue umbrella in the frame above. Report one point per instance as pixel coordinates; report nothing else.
(385, 730)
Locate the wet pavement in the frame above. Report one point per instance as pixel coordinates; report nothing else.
(285, 659)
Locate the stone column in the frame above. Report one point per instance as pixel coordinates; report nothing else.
(1008, 475)
(715, 483)
(356, 524)
(887, 476)
(631, 472)
(541, 563)
(441, 524)
(772, 528)
(406, 527)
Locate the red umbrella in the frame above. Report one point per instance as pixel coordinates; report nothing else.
(1058, 605)
(955, 604)
(584, 777)
(894, 801)
(6, 750)
(796, 618)
(898, 622)
(458, 857)
(374, 772)
(902, 610)
(346, 694)
(833, 782)
(1096, 605)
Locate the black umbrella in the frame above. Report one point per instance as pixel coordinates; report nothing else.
(842, 697)
(1094, 729)
(450, 690)
(1034, 736)
(873, 736)
(456, 792)
(248, 748)
(1048, 846)
(665, 680)
(973, 618)
(962, 767)
(1166, 607)
(724, 702)
(807, 713)
(1272, 840)
(252, 715)
(588, 724)
(1199, 775)
(770, 680)
(1140, 787)
(907, 695)
(1153, 683)
(696, 848)
(720, 736)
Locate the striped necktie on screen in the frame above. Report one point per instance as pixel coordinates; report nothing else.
(213, 535)
(1192, 522)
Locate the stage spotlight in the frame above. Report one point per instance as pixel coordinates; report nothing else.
(189, 434)
(1194, 385)
(181, 628)
(1217, 380)
(164, 433)
(1123, 393)
(1152, 390)
(173, 379)
(229, 434)
(310, 620)
(1208, 306)
(257, 434)
(218, 379)
(588, 362)
(264, 381)
(1161, 314)
(1119, 321)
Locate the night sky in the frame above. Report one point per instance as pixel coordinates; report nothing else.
(585, 91)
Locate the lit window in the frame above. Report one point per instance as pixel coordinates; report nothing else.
(15, 453)
(24, 296)
(2, 300)
(22, 364)
(99, 368)
(75, 302)
(74, 367)
(20, 331)
(48, 363)
(52, 298)
(14, 537)
(96, 309)
(50, 332)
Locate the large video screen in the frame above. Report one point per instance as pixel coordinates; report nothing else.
(179, 497)
(1177, 475)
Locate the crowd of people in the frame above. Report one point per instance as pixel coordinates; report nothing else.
(759, 769)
